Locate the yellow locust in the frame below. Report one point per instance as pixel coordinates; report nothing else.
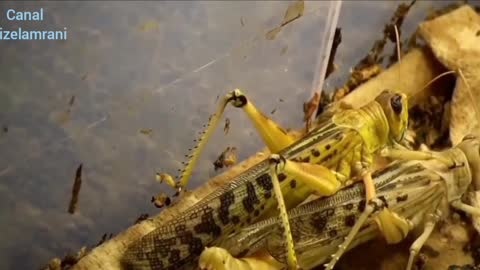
(420, 191)
(335, 154)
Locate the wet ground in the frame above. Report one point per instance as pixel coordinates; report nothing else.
(129, 91)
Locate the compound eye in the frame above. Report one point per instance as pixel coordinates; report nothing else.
(396, 103)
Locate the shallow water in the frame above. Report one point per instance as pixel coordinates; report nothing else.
(134, 66)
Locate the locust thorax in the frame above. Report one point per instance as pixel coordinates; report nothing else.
(395, 108)
(470, 146)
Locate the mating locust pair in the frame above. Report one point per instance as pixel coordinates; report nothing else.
(250, 213)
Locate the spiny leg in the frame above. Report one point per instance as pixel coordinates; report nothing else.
(420, 241)
(317, 177)
(274, 136)
(275, 163)
(372, 206)
(393, 227)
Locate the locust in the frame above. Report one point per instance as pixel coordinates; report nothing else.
(416, 187)
(333, 155)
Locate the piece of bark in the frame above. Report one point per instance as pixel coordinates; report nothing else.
(415, 71)
(455, 41)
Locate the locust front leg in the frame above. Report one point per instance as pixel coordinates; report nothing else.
(393, 227)
(317, 177)
(274, 136)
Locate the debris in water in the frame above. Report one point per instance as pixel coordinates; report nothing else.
(5, 129)
(76, 189)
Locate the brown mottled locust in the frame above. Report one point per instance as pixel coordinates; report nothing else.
(420, 191)
(335, 154)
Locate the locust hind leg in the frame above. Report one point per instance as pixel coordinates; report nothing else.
(432, 219)
(372, 206)
(274, 136)
(393, 227)
(317, 177)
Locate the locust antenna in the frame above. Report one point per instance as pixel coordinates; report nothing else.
(397, 37)
(469, 90)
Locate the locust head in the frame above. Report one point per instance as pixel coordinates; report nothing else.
(395, 108)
